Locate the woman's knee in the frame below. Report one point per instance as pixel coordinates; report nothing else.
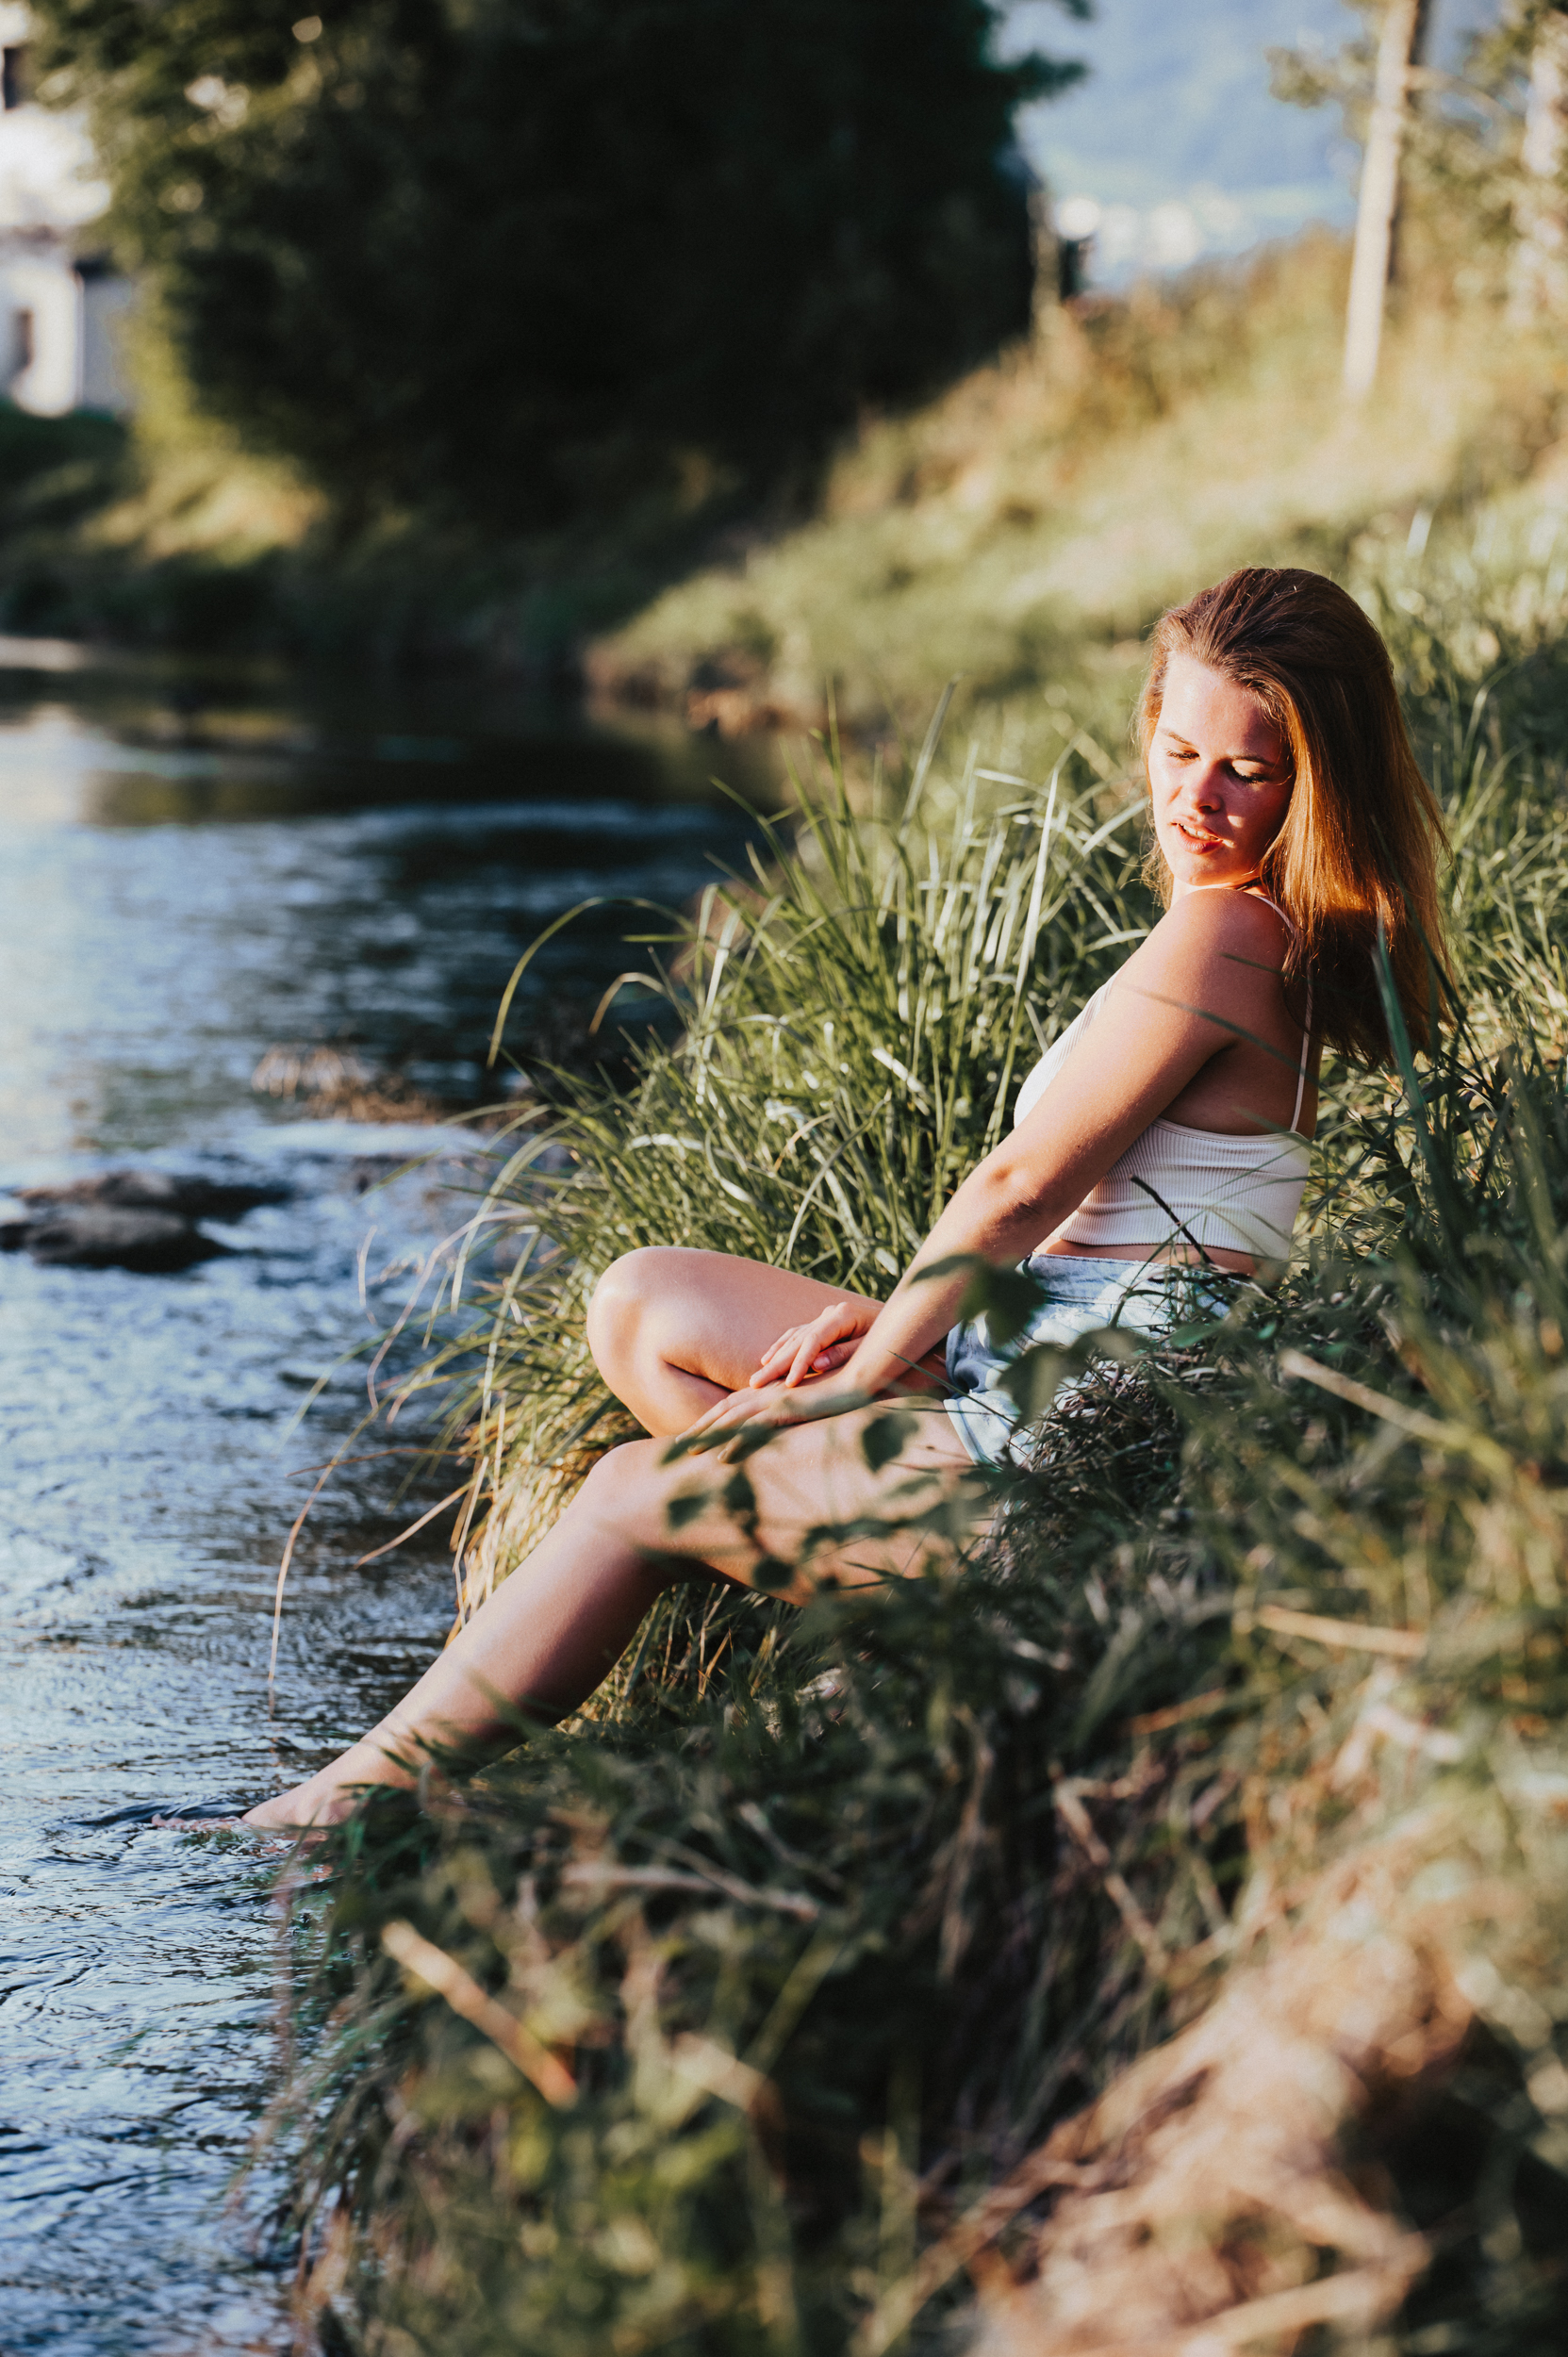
(620, 1302)
(621, 1471)
(628, 1491)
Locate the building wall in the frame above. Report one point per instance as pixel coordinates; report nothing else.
(59, 322)
(61, 333)
(104, 382)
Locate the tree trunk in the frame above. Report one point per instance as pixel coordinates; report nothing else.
(1538, 267)
(1404, 22)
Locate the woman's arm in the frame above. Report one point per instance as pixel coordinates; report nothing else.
(1208, 972)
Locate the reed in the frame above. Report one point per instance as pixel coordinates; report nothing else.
(852, 1016)
(1147, 1935)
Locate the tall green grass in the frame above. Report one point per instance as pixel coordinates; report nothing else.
(855, 1016)
(1249, 1712)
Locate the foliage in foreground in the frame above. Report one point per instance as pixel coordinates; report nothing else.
(834, 1929)
(795, 2002)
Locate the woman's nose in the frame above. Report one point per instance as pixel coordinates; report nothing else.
(1206, 790)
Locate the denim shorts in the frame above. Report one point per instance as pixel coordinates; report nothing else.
(1081, 1296)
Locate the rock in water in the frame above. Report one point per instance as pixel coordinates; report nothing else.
(182, 1194)
(99, 1236)
(135, 1219)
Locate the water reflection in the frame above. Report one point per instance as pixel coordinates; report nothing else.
(195, 865)
(307, 871)
(150, 1468)
(147, 741)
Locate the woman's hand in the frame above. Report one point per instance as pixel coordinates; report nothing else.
(807, 1351)
(746, 1411)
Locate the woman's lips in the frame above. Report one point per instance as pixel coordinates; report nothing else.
(1199, 842)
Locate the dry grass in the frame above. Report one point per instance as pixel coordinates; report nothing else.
(1025, 529)
(339, 1083)
(1204, 2202)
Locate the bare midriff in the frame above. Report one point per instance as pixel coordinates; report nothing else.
(1158, 1255)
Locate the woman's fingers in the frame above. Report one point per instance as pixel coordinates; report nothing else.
(721, 1426)
(734, 1407)
(840, 1318)
(723, 1423)
(828, 1340)
(815, 1355)
(777, 1357)
(798, 1338)
(776, 1414)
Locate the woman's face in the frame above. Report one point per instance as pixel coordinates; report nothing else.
(1219, 775)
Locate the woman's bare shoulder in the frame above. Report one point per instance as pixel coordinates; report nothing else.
(1214, 947)
(1216, 920)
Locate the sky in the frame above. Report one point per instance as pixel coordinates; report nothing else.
(1173, 137)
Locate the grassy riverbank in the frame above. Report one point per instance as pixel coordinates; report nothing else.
(1020, 531)
(790, 2001)
(1025, 531)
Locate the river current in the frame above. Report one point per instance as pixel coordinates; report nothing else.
(195, 869)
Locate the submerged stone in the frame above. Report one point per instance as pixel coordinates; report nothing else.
(155, 1243)
(184, 1195)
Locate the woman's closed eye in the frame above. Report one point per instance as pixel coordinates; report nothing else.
(1242, 777)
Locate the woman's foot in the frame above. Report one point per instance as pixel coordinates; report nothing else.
(301, 1806)
(333, 1792)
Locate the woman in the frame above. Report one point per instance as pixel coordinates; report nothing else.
(1168, 1127)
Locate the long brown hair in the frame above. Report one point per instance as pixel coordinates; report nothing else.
(1357, 852)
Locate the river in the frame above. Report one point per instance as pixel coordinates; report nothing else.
(196, 867)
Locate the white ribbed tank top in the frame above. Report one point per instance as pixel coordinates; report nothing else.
(1174, 1184)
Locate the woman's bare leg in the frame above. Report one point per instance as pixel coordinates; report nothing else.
(554, 1630)
(535, 1649)
(672, 1328)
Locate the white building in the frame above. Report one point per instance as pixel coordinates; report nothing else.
(60, 308)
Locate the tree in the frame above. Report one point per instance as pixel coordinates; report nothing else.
(1399, 48)
(1537, 277)
(1379, 117)
(1484, 151)
(514, 257)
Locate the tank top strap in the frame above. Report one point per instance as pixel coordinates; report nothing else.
(1271, 904)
